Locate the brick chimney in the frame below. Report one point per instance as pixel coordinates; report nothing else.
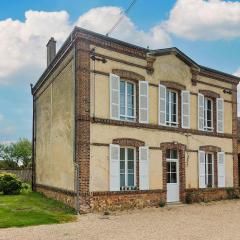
(51, 50)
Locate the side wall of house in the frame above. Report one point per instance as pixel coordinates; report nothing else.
(54, 131)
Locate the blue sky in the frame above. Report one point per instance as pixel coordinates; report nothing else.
(211, 37)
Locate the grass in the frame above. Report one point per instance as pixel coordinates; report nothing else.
(31, 208)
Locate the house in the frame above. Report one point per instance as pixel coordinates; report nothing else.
(118, 126)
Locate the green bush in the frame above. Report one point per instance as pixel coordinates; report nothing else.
(10, 184)
(192, 197)
(161, 203)
(232, 193)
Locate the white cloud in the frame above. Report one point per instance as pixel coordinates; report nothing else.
(237, 73)
(204, 19)
(102, 20)
(22, 49)
(22, 43)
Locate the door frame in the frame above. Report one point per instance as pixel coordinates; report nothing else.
(181, 159)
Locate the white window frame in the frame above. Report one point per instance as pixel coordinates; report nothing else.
(126, 167)
(170, 123)
(206, 128)
(206, 169)
(126, 117)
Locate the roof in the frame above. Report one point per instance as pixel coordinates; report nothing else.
(154, 52)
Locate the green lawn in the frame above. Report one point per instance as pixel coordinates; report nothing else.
(32, 209)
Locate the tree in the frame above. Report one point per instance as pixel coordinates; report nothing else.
(16, 154)
(22, 152)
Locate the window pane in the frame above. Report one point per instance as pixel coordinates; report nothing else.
(209, 104)
(173, 177)
(167, 105)
(130, 180)
(209, 168)
(122, 87)
(131, 167)
(173, 167)
(210, 183)
(168, 178)
(130, 101)
(168, 167)
(174, 118)
(130, 154)
(173, 154)
(174, 97)
(122, 110)
(122, 153)
(122, 167)
(130, 112)
(129, 88)
(122, 180)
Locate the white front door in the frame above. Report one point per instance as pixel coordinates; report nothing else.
(172, 179)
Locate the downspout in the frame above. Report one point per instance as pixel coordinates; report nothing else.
(76, 165)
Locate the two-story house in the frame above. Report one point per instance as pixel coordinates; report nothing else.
(119, 126)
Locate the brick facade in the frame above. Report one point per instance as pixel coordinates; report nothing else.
(82, 116)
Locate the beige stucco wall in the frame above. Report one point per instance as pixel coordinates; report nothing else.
(54, 129)
(99, 180)
(167, 68)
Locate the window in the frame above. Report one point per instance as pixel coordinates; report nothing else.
(208, 114)
(127, 168)
(127, 101)
(172, 161)
(209, 170)
(171, 108)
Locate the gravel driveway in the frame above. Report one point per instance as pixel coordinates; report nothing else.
(218, 220)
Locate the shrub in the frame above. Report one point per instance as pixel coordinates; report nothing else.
(232, 193)
(162, 203)
(10, 184)
(192, 197)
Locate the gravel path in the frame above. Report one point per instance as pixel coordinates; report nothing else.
(219, 220)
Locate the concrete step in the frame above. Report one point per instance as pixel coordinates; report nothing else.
(175, 204)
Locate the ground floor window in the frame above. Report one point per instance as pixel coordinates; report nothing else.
(127, 168)
(209, 170)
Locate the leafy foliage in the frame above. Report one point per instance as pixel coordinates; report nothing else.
(16, 154)
(10, 184)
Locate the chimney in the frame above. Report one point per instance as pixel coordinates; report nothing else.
(51, 50)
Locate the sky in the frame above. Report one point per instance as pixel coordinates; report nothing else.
(206, 30)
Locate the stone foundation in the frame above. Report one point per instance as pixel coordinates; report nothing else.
(211, 194)
(65, 196)
(125, 200)
(117, 201)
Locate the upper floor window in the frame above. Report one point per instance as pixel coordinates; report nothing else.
(171, 108)
(127, 100)
(208, 114)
